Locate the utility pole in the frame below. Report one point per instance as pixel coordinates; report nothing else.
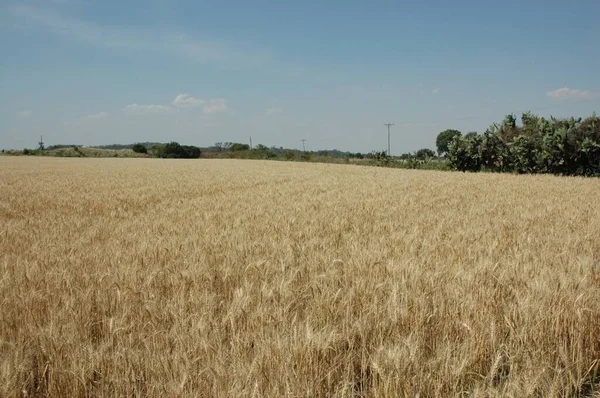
(388, 126)
(41, 143)
(303, 147)
(250, 142)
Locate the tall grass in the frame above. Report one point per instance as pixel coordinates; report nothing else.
(141, 277)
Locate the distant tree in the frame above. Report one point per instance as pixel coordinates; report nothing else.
(424, 153)
(289, 154)
(236, 146)
(173, 150)
(444, 139)
(191, 152)
(471, 134)
(139, 148)
(219, 146)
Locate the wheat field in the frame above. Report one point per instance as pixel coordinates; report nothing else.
(232, 278)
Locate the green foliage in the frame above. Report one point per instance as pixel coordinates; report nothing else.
(306, 156)
(444, 139)
(263, 152)
(236, 147)
(26, 151)
(139, 148)
(381, 158)
(424, 153)
(288, 154)
(464, 153)
(173, 150)
(559, 146)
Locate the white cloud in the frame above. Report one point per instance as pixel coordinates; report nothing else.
(182, 101)
(24, 114)
(136, 109)
(187, 101)
(568, 93)
(435, 91)
(215, 105)
(96, 116)
(273, 111)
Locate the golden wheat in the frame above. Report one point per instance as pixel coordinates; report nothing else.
(142, 277)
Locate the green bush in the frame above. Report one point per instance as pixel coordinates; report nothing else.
(559, 146)
(173, 150)
(306, 156)
(444, 139)
(288, 154)
(236, 146)
(139, 148)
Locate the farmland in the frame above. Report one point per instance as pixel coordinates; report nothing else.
(148, 277)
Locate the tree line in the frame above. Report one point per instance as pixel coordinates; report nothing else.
(568, 146)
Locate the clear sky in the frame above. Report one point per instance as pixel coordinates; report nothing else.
(94, 72)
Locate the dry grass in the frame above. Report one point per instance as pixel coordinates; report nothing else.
(142, 277)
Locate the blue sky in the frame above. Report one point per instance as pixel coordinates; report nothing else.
(98, 72)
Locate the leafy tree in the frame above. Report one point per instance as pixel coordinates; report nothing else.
(493, 152)
(139, 148)
(191, 152)
(380, 157)
(288, 154)
(236, 147)
(306, 156)
(444, 139)
(560, 146)
(173, 150)
(424, 153)
(464, 153)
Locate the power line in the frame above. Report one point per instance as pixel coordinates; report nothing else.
(388, 127)
(303, 147)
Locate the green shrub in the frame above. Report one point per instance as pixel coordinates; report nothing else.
(559, 146)
(236, 146)
(173, 150)
(288, 154)
(139, 148)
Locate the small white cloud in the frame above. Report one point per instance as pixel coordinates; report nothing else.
(208, 106)
(136, 109)
(273, 111)
(96, 116)
(215, 105)
(24, 114)
(568, 93)
(435, 91)
(187, 101)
